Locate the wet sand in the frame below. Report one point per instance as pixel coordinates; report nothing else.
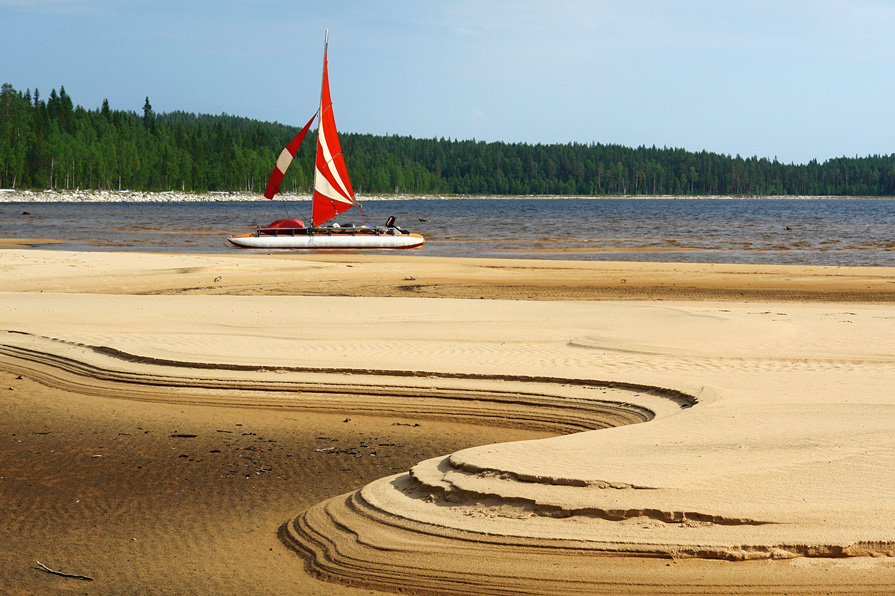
(403, 275)
(168, 498)
(202, 424)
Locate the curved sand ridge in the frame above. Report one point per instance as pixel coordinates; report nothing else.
(554, 404)
(801, 472)
(785, 463)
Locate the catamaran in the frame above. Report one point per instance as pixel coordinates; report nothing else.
(332, 194)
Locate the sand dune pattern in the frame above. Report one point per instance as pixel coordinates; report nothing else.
(696, 446)
(97, 370)
(447, 515)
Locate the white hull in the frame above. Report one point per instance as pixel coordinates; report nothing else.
(326, 241)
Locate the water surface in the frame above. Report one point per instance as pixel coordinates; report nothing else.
(761, 231)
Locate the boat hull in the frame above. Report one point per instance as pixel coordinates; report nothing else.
(322, 241)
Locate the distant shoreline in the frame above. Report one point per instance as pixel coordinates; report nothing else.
(8, 195)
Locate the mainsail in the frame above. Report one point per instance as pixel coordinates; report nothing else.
(332, 188)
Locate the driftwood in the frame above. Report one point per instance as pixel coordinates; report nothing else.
(63, 574)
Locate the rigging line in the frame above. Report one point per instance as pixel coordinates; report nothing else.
(286, 209)
(332, 203)
(303, 214)
(285, 205)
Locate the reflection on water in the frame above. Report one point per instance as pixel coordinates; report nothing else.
(767, 231)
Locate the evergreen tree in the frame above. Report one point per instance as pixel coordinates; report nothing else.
(53, 144)
(148, 115)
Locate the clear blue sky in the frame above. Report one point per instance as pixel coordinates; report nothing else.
(796, 80)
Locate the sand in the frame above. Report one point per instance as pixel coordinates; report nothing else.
(340, 424)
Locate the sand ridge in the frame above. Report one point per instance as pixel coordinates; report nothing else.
(760, 454)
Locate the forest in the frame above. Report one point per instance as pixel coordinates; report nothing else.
(53, 144)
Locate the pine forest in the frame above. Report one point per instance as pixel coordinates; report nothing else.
(52, 144)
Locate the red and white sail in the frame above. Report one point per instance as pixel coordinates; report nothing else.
(286, 157)
(332, 187)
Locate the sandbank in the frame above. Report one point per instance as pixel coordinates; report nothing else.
(26, 242)
(401, 275)
(204, 423)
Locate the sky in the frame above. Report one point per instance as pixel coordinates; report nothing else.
(784, 79)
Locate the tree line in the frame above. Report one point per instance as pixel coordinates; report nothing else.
(53, 144)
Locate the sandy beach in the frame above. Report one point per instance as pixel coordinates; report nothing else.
(338, 424)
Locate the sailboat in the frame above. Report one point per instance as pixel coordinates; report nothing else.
(332, 195)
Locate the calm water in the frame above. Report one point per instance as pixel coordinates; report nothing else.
(768, 231)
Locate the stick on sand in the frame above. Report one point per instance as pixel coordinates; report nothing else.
(63, 574)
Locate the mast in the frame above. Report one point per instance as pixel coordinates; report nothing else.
(320, 111)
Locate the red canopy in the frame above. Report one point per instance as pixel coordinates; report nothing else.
(287, 223)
